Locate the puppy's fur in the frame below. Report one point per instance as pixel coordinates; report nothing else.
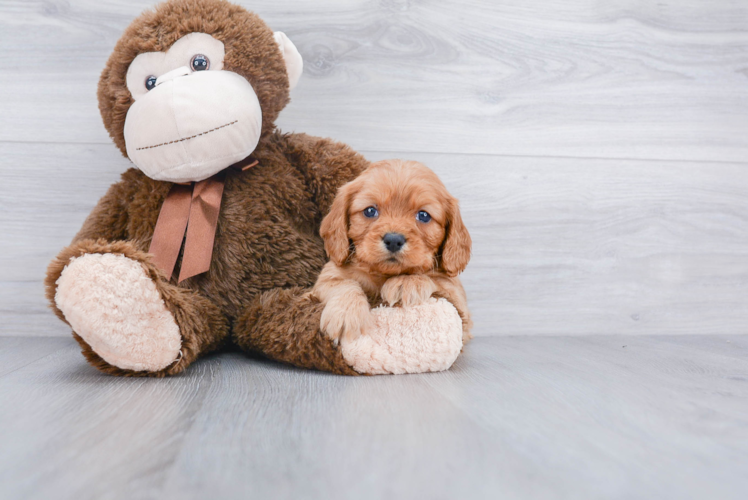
(362, 271)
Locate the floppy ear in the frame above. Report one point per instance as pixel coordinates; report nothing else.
(294, 63)
(457, 243)
(334, 227)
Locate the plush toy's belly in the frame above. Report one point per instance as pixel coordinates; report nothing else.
(267, 238)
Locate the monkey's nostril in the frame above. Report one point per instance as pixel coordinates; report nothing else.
(175, 73)
(393, 241)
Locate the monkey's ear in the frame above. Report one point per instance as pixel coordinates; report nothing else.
(294, 63)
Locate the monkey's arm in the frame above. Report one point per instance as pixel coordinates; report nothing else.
(325, 164)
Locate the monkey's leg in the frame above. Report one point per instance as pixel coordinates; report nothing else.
(284, 325)
(127, 318)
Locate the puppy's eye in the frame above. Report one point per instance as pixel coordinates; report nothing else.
(199, 63)
(150, 82)
(370, 212)
(423, 216)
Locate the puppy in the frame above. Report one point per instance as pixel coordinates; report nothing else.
(393, 235)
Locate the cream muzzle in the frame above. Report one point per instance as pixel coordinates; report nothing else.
(193, 124)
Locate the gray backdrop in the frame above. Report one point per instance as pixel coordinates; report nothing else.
(598, 149)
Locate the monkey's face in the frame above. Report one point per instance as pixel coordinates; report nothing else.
(192, 117)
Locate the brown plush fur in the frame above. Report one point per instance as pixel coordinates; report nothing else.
(257, 331)
(363, 271)
(267, 248)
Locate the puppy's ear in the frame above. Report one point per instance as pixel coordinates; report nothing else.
(334, 227)
(457, 243)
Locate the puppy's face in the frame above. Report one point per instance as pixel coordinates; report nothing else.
(399, 218)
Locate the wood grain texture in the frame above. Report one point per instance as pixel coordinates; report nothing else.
(15, 352)
(572, 246)
(561, 246)
(517, 417)
(599, 149)
(623, 79)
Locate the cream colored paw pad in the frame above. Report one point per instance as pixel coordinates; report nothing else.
(110, 301)
(415, 339)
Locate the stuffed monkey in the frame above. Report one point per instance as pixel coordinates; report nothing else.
(213, 240)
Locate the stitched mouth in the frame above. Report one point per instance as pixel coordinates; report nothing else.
(187, 138)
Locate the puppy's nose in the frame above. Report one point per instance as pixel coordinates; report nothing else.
(393, 241)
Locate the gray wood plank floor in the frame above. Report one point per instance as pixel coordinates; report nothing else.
(517, 417)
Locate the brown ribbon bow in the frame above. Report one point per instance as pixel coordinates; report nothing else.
(192, 209)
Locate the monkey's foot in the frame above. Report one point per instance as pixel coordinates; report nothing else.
(110, 301)
(414, 339)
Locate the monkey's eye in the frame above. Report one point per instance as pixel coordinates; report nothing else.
(423, 216)
(370, 212)
(199, 62)
(150, 82)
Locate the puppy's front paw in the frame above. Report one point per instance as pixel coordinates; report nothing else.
(345, 316)
(410, 289)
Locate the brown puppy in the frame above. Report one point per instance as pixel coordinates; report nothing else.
(393, 235)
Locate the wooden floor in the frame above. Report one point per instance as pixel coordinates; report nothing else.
(517, 417)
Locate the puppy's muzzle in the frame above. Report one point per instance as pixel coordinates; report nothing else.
(393, 242)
